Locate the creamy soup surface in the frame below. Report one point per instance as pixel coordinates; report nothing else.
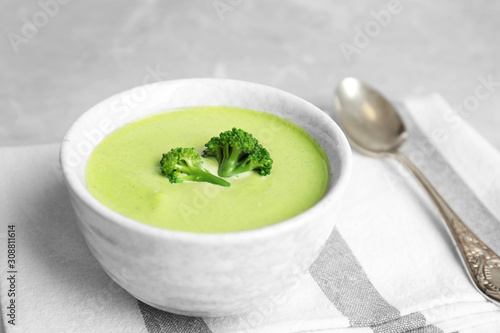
(123, 172)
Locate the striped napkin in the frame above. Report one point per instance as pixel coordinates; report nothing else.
(388, 266)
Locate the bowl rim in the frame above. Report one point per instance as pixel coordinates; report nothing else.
(285, 226)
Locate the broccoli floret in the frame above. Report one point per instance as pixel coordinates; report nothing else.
(238, 151)
(181, 164)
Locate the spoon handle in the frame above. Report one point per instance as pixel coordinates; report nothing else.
(482, 263)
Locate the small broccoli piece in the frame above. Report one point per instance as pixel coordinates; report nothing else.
(181, 164)
(238, 151)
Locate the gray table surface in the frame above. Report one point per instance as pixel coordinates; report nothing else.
(57, 59)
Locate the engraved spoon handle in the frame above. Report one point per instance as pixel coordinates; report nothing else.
(482, 263)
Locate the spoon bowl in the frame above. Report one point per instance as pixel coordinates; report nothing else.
(371, 123)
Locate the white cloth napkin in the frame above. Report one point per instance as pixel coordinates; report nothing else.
(389, 265)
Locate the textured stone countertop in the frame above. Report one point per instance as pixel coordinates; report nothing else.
(60, 57)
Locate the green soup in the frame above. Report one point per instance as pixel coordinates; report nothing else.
(123, 172)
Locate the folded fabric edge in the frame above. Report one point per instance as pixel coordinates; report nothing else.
(32, 146)
(460, 324)
(459, 309)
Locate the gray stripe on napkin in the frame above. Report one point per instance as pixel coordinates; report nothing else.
(453, 189)
(414, 322)
(427, 329)
(344, 282)
(158, 321)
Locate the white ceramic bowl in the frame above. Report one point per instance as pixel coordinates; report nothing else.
(202, 274)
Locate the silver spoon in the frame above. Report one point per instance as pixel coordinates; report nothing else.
(374, 128)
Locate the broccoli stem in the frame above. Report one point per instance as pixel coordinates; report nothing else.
(202, 175)
(243, 167)
(226, 168)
